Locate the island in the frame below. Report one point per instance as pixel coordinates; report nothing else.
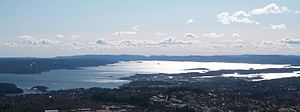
(7, 88)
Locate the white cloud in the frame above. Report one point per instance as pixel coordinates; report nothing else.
(166, 42)
(149, 43)
(123, 33)
(238, 46)
(102, 42)
(10, 44)
(236, 35)
(244, 17)
(216, 46)
(129, 43)
(214, 35)
(173, 41)
(267, 43)
(26, 37)
(75, 36)
(29, 40)
(59, 36)
(41, 42)
(75, 45)
(240, 14)
(2, 44)
(297, 12)
(270, 9)
(237, 17)
(136, 43)
(278, 27)
(264, 44)
(160, 34)
(170, 41)
(190, 21)
(235, 43)
(136, 28)
(290, 41)
(271, 44)
(190, 35)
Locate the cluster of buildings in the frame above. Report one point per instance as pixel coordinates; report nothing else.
(102, 108)
(168, 101)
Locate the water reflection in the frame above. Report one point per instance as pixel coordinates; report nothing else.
(182, 66)
(108, 76)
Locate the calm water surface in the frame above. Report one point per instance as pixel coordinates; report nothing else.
(108, 76)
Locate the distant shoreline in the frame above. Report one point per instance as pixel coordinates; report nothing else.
(39, 65)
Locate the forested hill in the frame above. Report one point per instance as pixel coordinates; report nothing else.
(6, 88)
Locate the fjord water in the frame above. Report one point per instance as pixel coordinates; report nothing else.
(109, 76)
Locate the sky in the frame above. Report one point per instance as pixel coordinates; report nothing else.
(46, 28)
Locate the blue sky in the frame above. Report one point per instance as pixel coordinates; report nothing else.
(149, 27)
